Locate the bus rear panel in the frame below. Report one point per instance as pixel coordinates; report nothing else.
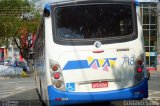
(94, 52)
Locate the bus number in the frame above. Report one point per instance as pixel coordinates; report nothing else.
(128, 60)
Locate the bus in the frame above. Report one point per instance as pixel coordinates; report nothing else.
(90, 51)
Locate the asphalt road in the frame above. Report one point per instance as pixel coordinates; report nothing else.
(154, 86)
(14, 86)
(23, 90)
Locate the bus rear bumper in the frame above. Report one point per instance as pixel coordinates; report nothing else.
(57, 97)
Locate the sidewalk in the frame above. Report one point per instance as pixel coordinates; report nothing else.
(2, 78)
(158, 68)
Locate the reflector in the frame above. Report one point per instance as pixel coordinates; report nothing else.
(58, 99)
(58, 84)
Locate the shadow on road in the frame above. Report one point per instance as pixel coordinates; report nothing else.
(96, 104)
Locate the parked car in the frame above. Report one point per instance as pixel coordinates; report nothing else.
(8, 63)
(23, 65)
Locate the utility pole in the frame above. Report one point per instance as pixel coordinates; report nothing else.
(158, 35)
(158, 26)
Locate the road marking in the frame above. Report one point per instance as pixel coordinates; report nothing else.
(19, 82)
(11, 87)
(155, 75)
(1, 92)
(153, 92)
(11, 91)
(19, 88)
(155, 97)
(5, 94)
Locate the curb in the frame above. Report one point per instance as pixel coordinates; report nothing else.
(15, 76)
(2, 78)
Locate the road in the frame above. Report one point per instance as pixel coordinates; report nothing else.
(154, 86)
(15, 86)
(23, 89)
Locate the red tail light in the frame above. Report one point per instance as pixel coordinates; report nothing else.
(139, 69)
(55, 67)
(56, 75)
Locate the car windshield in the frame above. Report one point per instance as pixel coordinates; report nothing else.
(93, 21)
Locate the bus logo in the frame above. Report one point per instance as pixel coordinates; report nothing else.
(97, 44)
(103, 63)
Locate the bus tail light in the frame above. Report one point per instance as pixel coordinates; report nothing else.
(139, 69)
(139, 65)
(139, 74)
(58, 84)
(139, 62)
(55, 67)
(56, 76)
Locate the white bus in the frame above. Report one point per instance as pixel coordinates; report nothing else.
(90, 51)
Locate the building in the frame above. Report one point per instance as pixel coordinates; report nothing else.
(3, 54)
(10, 54)
(150, 12)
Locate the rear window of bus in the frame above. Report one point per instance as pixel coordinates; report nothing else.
(94, 21)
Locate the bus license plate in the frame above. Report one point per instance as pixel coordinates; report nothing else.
(103, 84)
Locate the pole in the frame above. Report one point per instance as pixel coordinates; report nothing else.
(12, 53)
(158, 36)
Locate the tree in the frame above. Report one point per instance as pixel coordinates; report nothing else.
(18, 20)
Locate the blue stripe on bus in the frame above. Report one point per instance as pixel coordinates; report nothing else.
(77, 64)
(47, 6)
(83, 64)
(82, 97)
(137, 2)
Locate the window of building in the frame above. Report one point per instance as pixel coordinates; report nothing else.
(148, 13)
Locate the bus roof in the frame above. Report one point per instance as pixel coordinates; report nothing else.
(60, 1)
(50, 2)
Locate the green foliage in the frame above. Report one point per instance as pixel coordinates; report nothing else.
(11, 22)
